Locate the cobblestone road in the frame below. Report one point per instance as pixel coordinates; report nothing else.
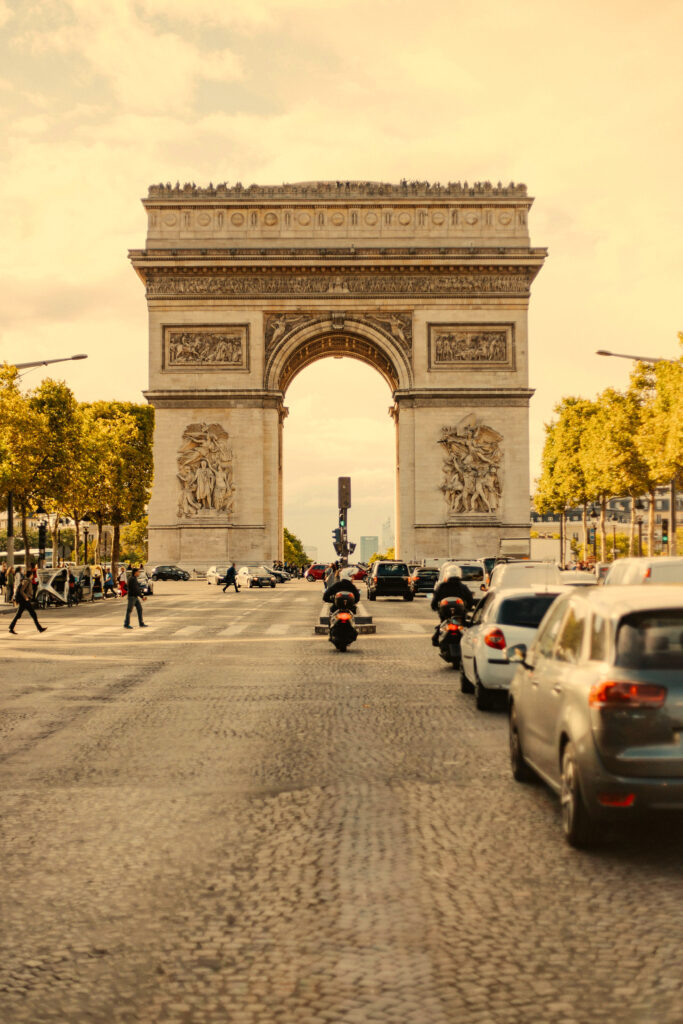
(204, 822)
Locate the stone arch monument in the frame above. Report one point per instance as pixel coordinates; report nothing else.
(246, 287)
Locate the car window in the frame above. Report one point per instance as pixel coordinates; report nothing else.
(651, 640)
(525, 610)
(481, 609)
(570, 641)
(389, 569)
(598, 651)
(471, 572)
(548, 632)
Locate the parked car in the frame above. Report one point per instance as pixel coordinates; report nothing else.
(315, 572)
(248, 576)
(216, 574)
(279, 575)
(423, 581)
(596, 705)
(388, 579)
(501, 620)
(630, 571)
(169, 572)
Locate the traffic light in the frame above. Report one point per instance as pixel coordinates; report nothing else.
(344, 490)
(337, 540)
(352, 548)
(665, 531)
(42, 536)
(342, 518)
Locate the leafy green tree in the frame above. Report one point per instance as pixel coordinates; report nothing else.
(294, 550)
(134, 541)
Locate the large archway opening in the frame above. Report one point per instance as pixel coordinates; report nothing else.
(338, 424)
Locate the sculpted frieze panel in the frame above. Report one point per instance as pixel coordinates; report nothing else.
(397, 326)
(513, 281)
(212, 348)
(472, 467)
(205, 472)
(471, 346)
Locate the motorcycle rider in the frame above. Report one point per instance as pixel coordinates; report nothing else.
(344, 582)
(452, 586)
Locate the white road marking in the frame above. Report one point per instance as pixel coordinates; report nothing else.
(234, 630)
(188, 630)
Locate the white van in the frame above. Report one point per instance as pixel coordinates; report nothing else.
(627, 571)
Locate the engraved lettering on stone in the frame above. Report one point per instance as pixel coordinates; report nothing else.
(472, 467)
(457, 345)
(187, 348)
(205, 471)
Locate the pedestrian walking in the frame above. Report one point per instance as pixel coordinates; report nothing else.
(134, 595)
(109, 585)
(9, 585)
(24, 597)
(231, 579)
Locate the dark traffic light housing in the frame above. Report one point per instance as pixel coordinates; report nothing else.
(665, 531)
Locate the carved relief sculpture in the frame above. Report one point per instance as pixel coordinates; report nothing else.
(205, 471)
(397, 326)
(454, 344)
(472, 467)
(192, 349)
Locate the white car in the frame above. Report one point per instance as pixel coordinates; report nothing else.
(254, 576)
(634, 571)
(525, 574)
(503, 619)
(216, 574)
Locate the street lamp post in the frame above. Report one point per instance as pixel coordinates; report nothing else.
(594, 521)
(639, 520)
(614, 542)
(86, 523)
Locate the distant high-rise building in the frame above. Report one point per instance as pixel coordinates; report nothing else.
(368, 547)
(387, 534)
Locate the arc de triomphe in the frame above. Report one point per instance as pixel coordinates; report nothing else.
(247, 286)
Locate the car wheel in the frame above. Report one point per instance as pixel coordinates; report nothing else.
(251, 584)
(578, 828)
(521, 771)
(407, 597)
(155, 577)
(482, 697)
(465, 684)
(272, 586)
(372, 597)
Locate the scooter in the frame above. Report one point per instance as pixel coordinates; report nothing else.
(342, 630)
(448, 634)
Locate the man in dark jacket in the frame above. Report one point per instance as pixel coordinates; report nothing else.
(23, 598)
(134, 595)
(344, 583)
(452, 586)
(231, 579)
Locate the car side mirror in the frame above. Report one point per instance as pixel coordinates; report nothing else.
(483, 586)
(517, 655)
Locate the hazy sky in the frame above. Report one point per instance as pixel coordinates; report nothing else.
(582, 101)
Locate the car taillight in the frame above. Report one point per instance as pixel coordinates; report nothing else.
(620, 694)
(344, 616)
(495, 638)
(647, 573)
(452, 627)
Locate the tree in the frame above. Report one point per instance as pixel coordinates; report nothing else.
(294, 550)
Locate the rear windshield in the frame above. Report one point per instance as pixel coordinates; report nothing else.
(471, 572)
(651, 640)
(387, 569)
(525, 611)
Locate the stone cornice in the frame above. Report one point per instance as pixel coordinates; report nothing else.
(470, 398)
(213, 398)
(346, 256)
(333, 191)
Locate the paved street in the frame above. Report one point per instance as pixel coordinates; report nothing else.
(220, 818)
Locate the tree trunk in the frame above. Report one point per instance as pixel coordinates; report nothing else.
(24, 534)
(77, 537)
(115, 547)
(584, 523)
(632, 529)
(651, 524)
(98, 552)
(603, 537)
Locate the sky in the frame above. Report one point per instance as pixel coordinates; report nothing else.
(583, 102)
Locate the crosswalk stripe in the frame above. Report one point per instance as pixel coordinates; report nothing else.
(188, 630)
(279, 629)
(233, 630)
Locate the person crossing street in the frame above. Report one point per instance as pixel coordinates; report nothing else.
(231, 579)
(23, 597)
(134, 595)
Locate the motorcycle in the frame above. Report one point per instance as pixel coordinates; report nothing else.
(448, 633)
(342, 630)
